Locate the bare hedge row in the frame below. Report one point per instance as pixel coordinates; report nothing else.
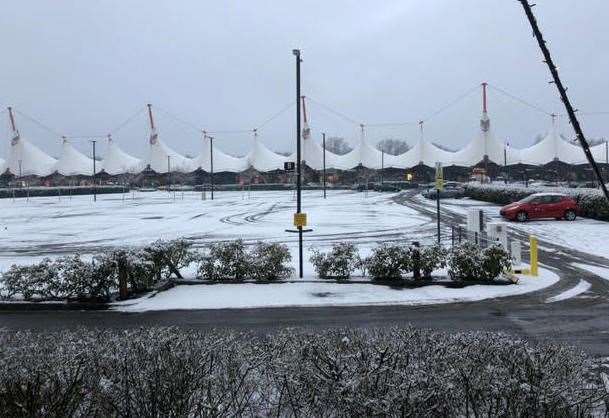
(592, 203)
(392, 372)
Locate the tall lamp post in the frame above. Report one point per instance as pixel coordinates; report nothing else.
(211, 165)
(505, 174)
(382, 164)
(324, 160)
(94, 170)
(296, 53)
(169, 174)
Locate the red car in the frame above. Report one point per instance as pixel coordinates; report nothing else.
(541, 205)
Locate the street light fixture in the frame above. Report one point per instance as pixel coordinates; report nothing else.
(296, 53)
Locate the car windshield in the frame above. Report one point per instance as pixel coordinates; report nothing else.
(528, 199)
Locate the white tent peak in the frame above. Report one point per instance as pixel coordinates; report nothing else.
(116, 161)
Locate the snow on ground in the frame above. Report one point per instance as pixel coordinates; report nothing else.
(599, 271)
(250, 295)
(49, 226)
(581, 287)
(586, 235)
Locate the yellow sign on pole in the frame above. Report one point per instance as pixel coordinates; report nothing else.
(439, 177)
(300, 220)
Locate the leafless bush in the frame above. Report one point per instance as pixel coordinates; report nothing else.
(390, 372)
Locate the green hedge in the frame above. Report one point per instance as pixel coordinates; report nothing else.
(592, 202)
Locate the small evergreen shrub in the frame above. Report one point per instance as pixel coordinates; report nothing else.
(168, 257)
(388, 262)
(338, 264)
(470, 262)
(36, 281)
(495, 261)
(269, 262)
(141, 273)
(431, 258)
(63, 278)
(225, 261)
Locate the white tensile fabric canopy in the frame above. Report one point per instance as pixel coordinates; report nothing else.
(72, 162)
(222, 161)
(27, 159)
(162, 159)
(601, 153)
(116, 161)
(263, 159)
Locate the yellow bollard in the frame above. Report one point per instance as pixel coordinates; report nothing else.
(534, 260)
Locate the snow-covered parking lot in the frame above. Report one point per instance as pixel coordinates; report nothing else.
(52, 226)
(41, 227)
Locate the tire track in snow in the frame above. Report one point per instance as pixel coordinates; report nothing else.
(582, 287)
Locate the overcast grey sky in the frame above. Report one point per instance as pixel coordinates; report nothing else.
(83, 67)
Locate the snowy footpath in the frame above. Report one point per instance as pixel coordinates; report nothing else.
(251, 295)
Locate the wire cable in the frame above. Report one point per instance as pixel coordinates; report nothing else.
(38, 123)
(120, 126)
(520, 100)
(451, 103)
(335, 112)
(184, 122)
(276, 115)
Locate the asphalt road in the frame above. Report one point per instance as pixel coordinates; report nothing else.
(582, 321)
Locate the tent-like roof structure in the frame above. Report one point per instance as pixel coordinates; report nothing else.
(263, 159)
(552, 147)
(601, 152)
(116, 161)
(72, 162)
(483, 145)
(26, 159)
(222, 161)
(163, 159)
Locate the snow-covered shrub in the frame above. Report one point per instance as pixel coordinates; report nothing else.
(225, 261)
(83, 279)
(495, 261)
(338, 264)
(270, 262)
(141, 273)
(34, 282)
(172, 372)
(431, 258)
(63, 278)
(388, 262)
(468, 261)
(168, 257)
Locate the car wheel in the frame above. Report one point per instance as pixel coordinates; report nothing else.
(522, 217)
(570, 215)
